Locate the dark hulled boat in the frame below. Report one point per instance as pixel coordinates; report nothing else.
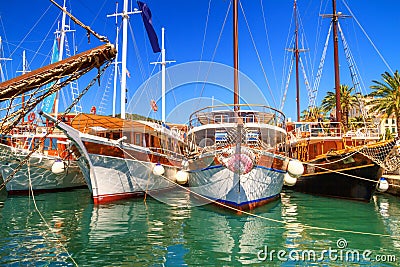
(342, 165)
(338, 163)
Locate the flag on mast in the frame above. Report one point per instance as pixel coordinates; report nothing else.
(146, 16)
(48, 102)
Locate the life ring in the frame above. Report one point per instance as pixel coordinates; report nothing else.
(240, 163)
(31, 117)
(153, 105)
(93, 110)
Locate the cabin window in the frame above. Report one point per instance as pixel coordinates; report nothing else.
(116, 135)
(252, 137)
(221, 137)
(137, 139)
(250, 118)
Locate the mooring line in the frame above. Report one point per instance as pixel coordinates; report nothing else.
(44, 220)
(263, 217)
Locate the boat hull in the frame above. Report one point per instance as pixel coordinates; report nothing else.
(219, 185)
(114, 178)
(356, 180)
(38, 176)
(115, 170)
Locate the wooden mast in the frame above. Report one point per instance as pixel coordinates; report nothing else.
(296, 51)
(335, 17)
(235, 56)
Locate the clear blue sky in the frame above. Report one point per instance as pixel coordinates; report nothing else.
(29, 25)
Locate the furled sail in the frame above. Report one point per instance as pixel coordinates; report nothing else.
(78, 64)
(32, 83)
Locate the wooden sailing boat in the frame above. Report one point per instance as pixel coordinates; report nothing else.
(237, 158)
(33, 156)
(122, 158)
(338, 163)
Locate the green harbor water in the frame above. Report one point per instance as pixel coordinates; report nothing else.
(134, 232)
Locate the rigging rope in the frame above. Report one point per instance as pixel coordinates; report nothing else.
(366, 35)
(215, 51)
(87, 28)
(203, 44)
(313, 94)
(187, 189)
(258, 55)
(268, 43)
(44, 220)
(37, 146)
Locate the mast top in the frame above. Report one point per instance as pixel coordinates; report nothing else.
(235, 56)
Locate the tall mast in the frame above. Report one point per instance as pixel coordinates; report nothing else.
(335, 17)
(115, 63)
(162, 76)
(24, 70)
(235, 56)
(2, 77)
(125, 17)
(163, 69)
(296, 51)
(115, 76)
(61, 51)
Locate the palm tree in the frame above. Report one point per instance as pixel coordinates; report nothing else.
(347, 101)
(312, 114)
(387, 93)
(359, 122)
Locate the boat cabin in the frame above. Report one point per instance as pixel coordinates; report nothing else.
(214, 126)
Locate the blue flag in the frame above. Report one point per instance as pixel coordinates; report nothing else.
(48, 102)
(146, 16)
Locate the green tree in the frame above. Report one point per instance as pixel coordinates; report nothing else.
(388, 134)
(386, 95)
(312, 113)
(347, 101)
(360, 122)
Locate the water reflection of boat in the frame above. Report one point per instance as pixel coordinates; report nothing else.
(136, 232)
(25, 239)
(387, 210)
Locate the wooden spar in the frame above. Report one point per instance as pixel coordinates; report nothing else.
(235, 56)
(296, 50)
(92, 58)
(336, 62)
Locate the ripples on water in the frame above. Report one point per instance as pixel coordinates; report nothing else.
(149, 233)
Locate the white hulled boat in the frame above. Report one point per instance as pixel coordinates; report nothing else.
(123, 158)
(120, 157)
(237, 154)
(51, 167)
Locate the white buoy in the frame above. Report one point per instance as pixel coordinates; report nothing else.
(289, 180)
(58, 167)
(182, 177)
(383, 185)
(295, 168)
(158, 169)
